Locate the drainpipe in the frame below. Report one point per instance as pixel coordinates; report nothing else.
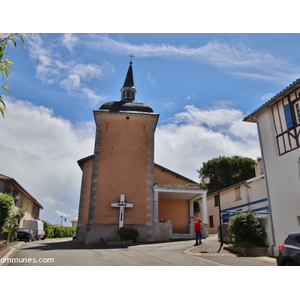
(247, 186)
(267, 185)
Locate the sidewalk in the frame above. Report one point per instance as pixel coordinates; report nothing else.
(209, 249)
(10, 250)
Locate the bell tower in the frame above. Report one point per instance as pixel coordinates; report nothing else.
(122, 166)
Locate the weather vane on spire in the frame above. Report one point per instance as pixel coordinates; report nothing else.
(131, 56)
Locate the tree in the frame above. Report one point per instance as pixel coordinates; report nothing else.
(227, 170)
(6, 207)
(12, 224)
(197, 207)
(5, 64)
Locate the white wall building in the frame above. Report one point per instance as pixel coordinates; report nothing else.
(247, 195)
(278, 123)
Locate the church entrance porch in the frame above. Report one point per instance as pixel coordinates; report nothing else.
(174, 205)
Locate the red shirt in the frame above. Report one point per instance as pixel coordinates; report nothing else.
(197, 226)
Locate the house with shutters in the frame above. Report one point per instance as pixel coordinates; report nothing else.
(250, 194)
(278, 124)
(23, 200)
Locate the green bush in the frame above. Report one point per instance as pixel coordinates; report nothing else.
(6, 207)
(12, 224)
(246, 229)
(126, 233)
(57, 231)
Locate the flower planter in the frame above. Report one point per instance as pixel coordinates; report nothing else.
(3, 245)
(248, 251)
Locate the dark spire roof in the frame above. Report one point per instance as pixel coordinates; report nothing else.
(129, 82)
(126, 106)
(128, 90)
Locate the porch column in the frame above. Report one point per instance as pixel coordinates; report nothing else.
(191, 226)
(204, 208)
(192, 222)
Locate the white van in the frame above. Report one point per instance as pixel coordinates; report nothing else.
(37, 227)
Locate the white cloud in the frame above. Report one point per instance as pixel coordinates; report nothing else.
(168, 104)
(267, 96)
(93, 97)
(237, 60)
(151, 79)
(195, 136)
(69, 40)
(48, 200)
(41, 152)
(191, 97)
(69, 75)
(88, 71)
(62, 214)
(72, 82)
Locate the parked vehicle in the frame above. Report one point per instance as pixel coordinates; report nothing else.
(37, 227)
(289, 252)
(25, 234)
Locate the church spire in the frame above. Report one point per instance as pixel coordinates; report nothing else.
(128, 90)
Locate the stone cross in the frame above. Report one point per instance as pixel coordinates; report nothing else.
(122, 205)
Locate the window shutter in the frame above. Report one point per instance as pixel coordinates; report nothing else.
(288, 116)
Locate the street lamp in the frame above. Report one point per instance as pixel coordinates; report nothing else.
(206, 179)
(62, 218)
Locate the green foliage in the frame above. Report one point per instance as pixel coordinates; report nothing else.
(6, 207)
(228, 170)
(197, 207)
(57, 231)
(12, 224)
(126, 233)
(47, 228)
(5, 64)
(245, 229)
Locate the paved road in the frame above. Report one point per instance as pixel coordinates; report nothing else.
(64, 252)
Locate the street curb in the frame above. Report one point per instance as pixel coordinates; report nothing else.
(9, 254)
(188, 251)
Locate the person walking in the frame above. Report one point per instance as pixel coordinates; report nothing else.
(198, 231)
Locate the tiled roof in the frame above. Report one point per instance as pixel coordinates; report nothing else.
(20, 187)
(176, 174)
(4, 177)
(273, 100)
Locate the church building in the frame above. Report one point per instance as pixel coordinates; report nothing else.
(123, 187)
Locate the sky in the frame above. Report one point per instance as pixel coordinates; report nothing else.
(201, 84)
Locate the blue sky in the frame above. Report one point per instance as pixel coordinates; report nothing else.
(201, 84)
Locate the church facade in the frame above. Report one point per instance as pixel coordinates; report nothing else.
(123, 187)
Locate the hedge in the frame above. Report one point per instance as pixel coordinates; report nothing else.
(57, 231)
